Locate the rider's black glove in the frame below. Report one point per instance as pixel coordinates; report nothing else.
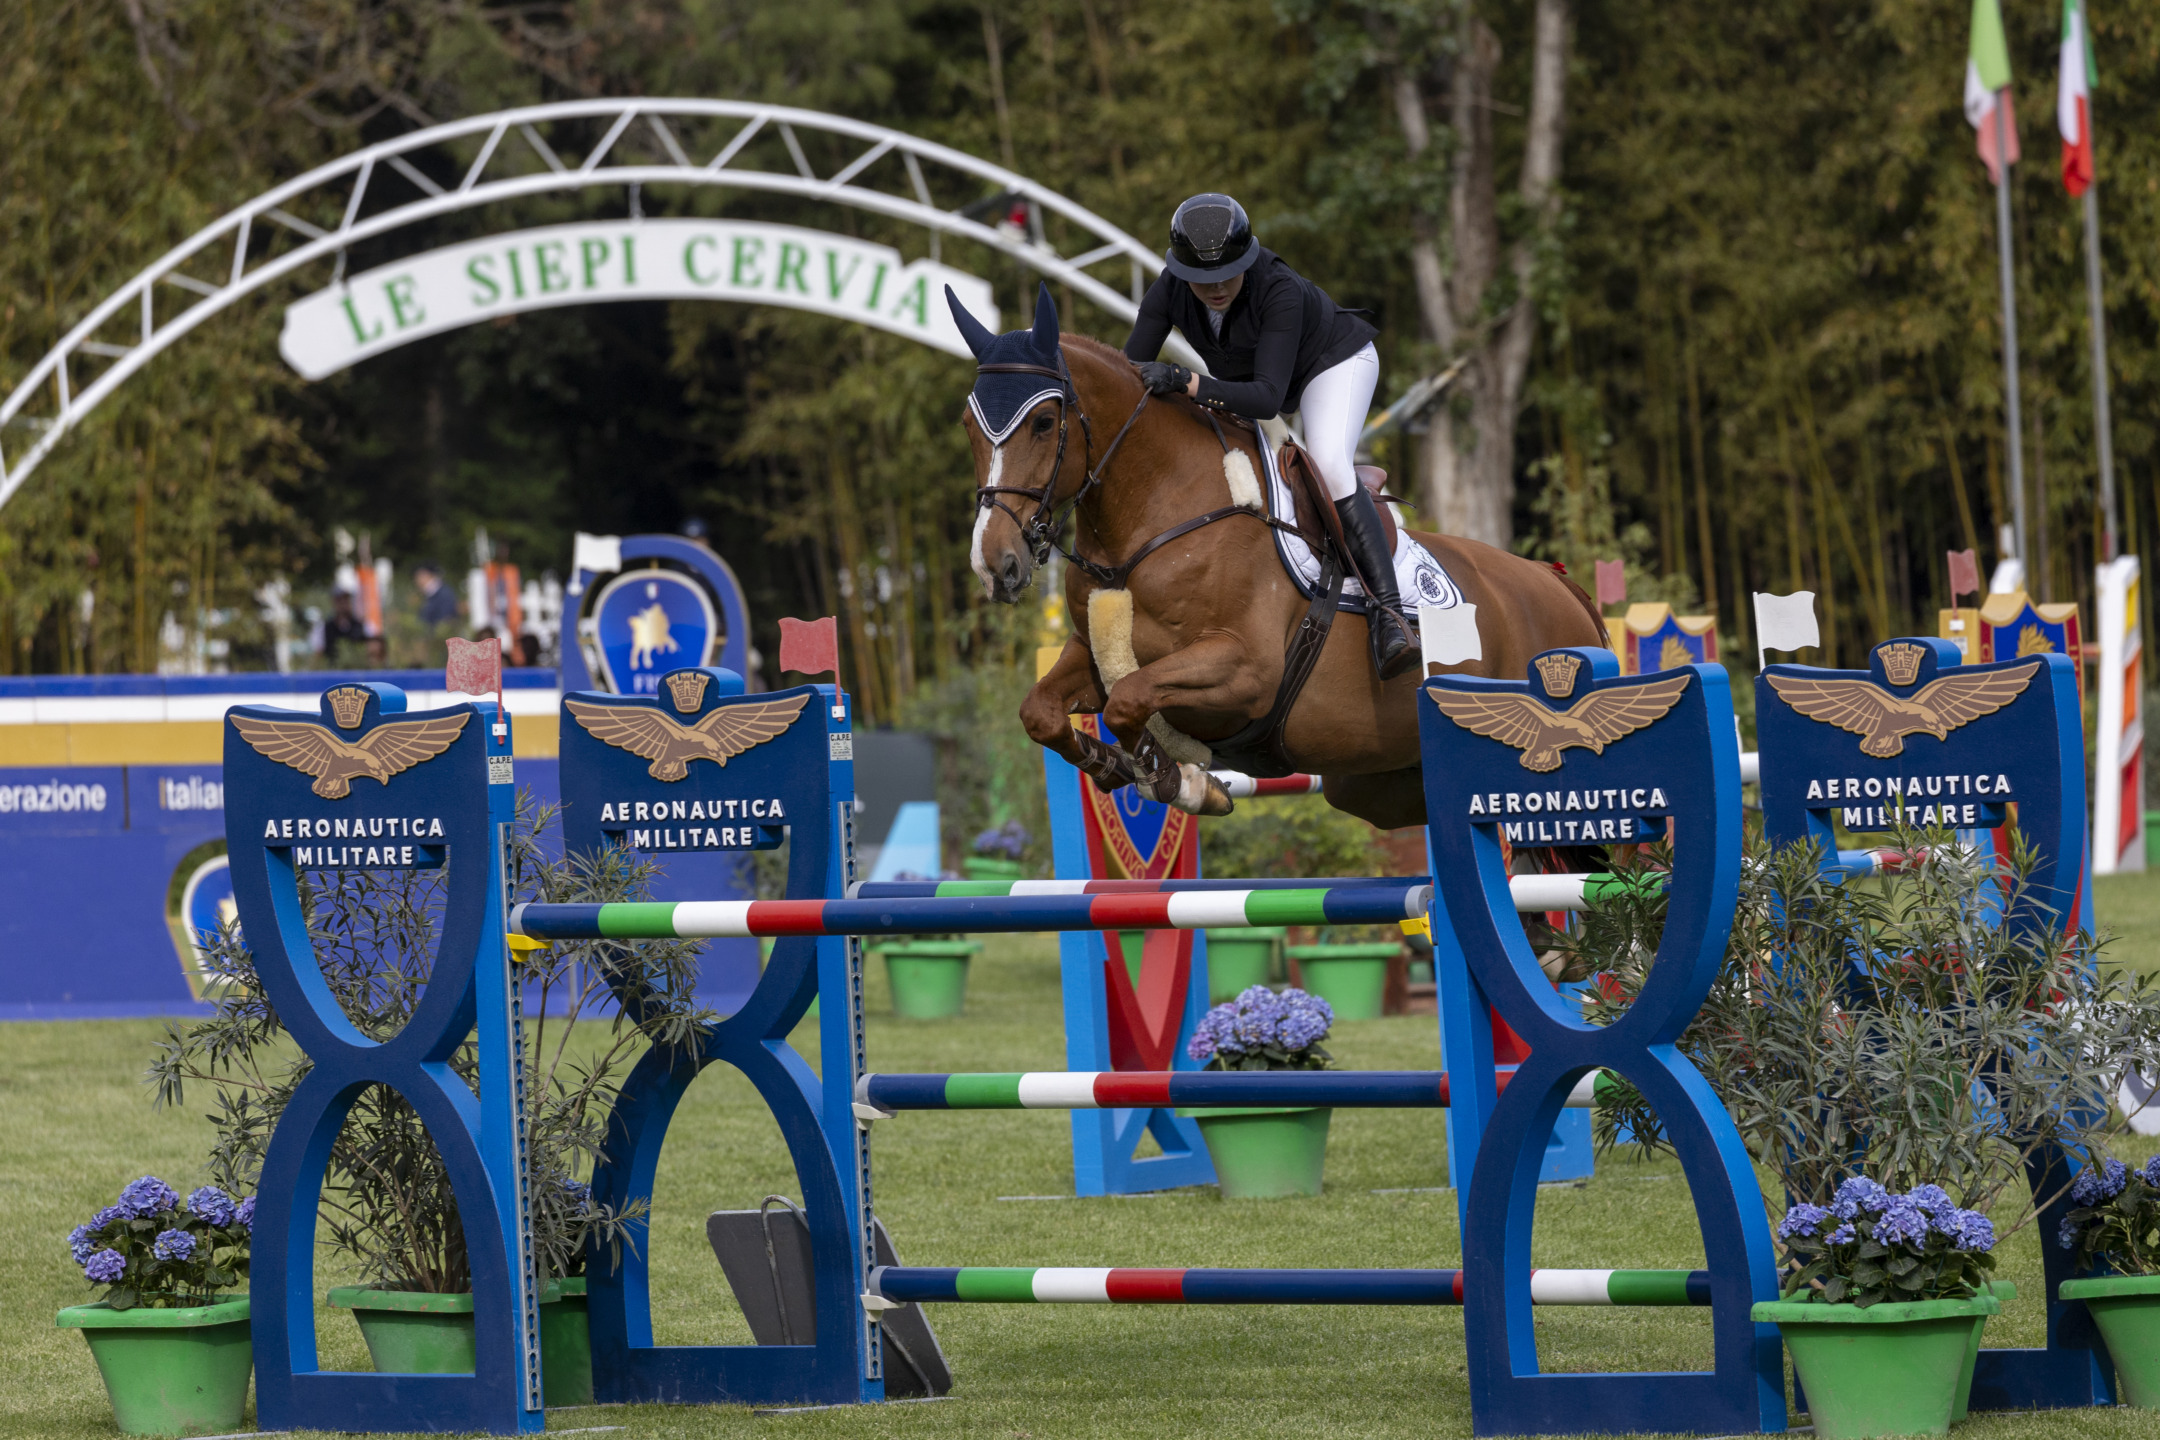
(1165, 377)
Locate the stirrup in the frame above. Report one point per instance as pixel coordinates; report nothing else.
(1390, 656)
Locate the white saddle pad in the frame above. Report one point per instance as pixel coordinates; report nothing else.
(1418, 575)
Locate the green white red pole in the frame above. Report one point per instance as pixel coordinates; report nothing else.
(1075, 1285)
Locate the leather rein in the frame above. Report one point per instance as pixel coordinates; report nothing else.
(1041, 530)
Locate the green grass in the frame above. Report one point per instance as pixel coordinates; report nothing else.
(2127, 909)
(75, 1124)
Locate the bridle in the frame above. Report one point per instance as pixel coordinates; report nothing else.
(1040, 530)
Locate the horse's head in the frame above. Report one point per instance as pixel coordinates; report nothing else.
(1017, 421)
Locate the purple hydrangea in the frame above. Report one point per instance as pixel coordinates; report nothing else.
(80, 1243)
(246, 1213)
(2104, 1182)
(2066, 1234)
(1306, 1019)
(105, 1267)
(2149, 1172)
(1259, 1019)
(1901, 1223)
(213, 1205)
(1843, 1235)
(1971, 1231)
(577, 1193)
(147, 1197)
(106, 1216)
(1935, 1203)
(1857, 1195)
(174, 1245)
(1803, 1220)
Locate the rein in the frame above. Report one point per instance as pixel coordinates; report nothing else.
(1041, 530)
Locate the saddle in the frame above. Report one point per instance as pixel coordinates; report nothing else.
(1314, 510)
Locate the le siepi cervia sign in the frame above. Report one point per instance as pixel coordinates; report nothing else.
(427, 294)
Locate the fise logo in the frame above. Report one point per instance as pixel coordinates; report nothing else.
(649, 622)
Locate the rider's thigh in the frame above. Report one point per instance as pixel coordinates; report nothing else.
(1333, 412)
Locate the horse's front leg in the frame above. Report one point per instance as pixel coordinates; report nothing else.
(1071, 688)
(1214, 674)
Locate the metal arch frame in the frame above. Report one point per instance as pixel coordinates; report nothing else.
(236, 228)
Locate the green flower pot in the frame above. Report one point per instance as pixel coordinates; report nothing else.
(1351, 978)
(2127, 1310)
(989, 867)
(565, 1343)
(412, 1332)
(1265, 1151)
(929, 977)
(1237, 960)
(170, 1372)
(1900, 1368)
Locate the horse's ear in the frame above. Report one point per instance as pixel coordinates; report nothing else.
(973, 331)
(1046, 320)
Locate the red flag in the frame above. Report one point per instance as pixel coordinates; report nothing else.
(1611, 582)
(810, 647)
(475, 667)
(1964, 574)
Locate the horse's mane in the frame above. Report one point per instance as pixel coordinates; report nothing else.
(1109, 354)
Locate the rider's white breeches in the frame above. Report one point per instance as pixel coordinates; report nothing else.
(1332, 415)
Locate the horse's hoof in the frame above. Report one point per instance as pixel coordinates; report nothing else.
(1199, 793)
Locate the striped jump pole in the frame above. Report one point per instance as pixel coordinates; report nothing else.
(1010, 914)
(1180, 1089)
(1533, 893)
(1055, 1285)
(1244, 787)
(1858, 864)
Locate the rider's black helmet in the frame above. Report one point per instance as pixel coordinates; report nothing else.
(1210, 239)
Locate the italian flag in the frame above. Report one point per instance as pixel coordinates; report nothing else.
(1987, 84)
(2073, 99)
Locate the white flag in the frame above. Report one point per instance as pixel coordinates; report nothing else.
(601, 554)
(1449, 634)
(1784, 622)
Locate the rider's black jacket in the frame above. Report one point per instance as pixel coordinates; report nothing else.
(1280, 332)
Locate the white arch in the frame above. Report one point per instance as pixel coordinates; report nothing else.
(224, 247)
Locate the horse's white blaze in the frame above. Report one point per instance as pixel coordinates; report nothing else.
(982, 521)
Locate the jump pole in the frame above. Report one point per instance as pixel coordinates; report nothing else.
(1072, 1285)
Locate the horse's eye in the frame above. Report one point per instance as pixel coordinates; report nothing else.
(1042, 424)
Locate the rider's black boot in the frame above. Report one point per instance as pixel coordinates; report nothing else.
(1394, 650)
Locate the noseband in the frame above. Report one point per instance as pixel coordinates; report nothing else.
(1040, 530)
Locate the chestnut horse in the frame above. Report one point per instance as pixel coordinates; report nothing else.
(1199, 634)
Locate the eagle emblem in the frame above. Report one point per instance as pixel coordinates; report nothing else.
(1882, 720)
(390, 748)
(1541, 733)
(671, 745)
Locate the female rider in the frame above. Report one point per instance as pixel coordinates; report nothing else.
(1274, 342)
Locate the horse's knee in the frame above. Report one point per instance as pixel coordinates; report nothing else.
(1042, 717)
(1126, 709)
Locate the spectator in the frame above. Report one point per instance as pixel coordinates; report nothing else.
(528, 650)
(438, 602)
(344, 633)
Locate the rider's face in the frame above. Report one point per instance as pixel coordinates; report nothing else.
(1217, 294)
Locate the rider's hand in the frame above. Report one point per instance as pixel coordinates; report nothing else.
(1165, 377)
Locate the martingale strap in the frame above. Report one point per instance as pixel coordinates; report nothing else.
(1262, 739)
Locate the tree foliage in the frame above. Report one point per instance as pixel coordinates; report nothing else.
(1767, 349)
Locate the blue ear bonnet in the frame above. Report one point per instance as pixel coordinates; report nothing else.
(1001, 399)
